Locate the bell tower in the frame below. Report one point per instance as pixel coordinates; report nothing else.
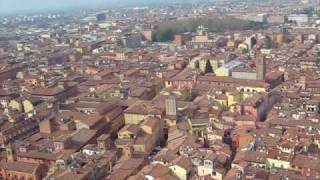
(10, 153)
(260, 67)
(171, 106)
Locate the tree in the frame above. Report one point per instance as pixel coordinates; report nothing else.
(189, 96)
(167, 30)
(208, 68)
(197, 64)
(164, 35)
(245, 50)
(269, 45)
(95, 173)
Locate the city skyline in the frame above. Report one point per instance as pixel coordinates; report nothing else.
(35, 6)
(160, 89)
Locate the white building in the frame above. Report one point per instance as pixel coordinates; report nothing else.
(225, 70)
(300, 19)
(254, 17)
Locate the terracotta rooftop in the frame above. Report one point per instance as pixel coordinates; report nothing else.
(23, 167)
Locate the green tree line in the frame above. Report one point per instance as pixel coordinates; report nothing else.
(167, 31)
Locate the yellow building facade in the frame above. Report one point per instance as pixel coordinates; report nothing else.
(215, 63)
(133, 118)
(179, 172)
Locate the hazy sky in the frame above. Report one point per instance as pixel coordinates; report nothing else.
(16, 6)
(19, 6)
(23, 6)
